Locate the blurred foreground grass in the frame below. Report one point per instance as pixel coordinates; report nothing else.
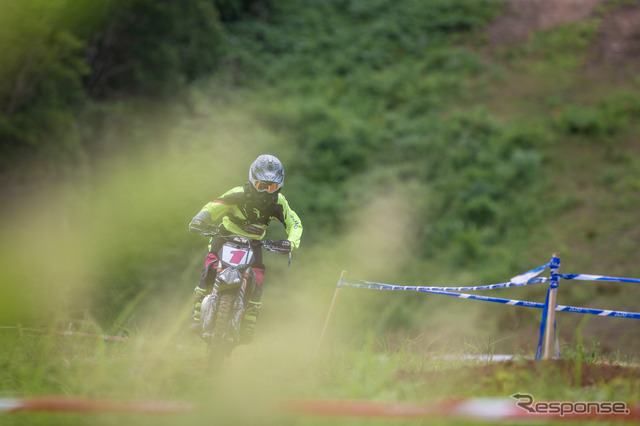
(281, 365)
(109, 251)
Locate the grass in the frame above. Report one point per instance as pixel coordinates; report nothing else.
(169, 366)
(395, 348)
(384, 365)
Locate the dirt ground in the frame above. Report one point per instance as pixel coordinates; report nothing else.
(521, 18)
(590, 374)
(618, 40)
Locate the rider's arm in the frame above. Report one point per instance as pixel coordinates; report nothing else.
(292, 222)
(218, 207)
(214, 210)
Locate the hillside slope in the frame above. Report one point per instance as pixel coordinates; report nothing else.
(439, 143)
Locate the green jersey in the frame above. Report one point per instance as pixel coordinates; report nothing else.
(239, 216)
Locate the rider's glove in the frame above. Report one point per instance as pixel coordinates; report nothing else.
(196, 226)
(280, 247)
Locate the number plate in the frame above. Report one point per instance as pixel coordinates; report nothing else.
(236, 255)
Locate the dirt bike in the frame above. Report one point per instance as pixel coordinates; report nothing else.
(223, 309)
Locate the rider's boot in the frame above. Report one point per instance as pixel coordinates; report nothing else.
(249, 322)
(196, 322)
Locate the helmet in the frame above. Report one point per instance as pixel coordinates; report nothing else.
(266, 174)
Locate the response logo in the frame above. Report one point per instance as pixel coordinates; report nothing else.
(562, 408)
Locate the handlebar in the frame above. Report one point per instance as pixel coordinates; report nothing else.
(215, 231)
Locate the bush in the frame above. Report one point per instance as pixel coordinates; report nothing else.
(479, 175)
(153, 48)
(56, 54)
(40, 80)
(610, 116)
(336, 37)
(561, 48)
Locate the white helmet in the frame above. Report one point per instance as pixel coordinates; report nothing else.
(266, 173)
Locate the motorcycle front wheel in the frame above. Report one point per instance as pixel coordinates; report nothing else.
(216, 348)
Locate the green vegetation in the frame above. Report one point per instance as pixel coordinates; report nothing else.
(417, 151)
(163, 366)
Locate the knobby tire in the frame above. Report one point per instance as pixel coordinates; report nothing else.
(217, 347)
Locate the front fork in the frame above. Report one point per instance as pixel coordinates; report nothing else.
(210, 303)
(239, 307)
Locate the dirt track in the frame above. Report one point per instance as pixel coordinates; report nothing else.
(618, 40)
(590, 374)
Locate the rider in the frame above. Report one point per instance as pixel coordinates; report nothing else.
(246, 211)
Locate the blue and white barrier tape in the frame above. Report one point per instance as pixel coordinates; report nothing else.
(587, 277)
(374, 285)
(575, 309)
(598, 312)
(527, 276)
(523, 279)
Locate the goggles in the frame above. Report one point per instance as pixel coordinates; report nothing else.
(270, 187)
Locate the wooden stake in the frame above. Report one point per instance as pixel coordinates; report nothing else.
(549, 338)
(331, 309)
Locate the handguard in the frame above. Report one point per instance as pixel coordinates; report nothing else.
(279, 247)
(201, 224)
(202, 229)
